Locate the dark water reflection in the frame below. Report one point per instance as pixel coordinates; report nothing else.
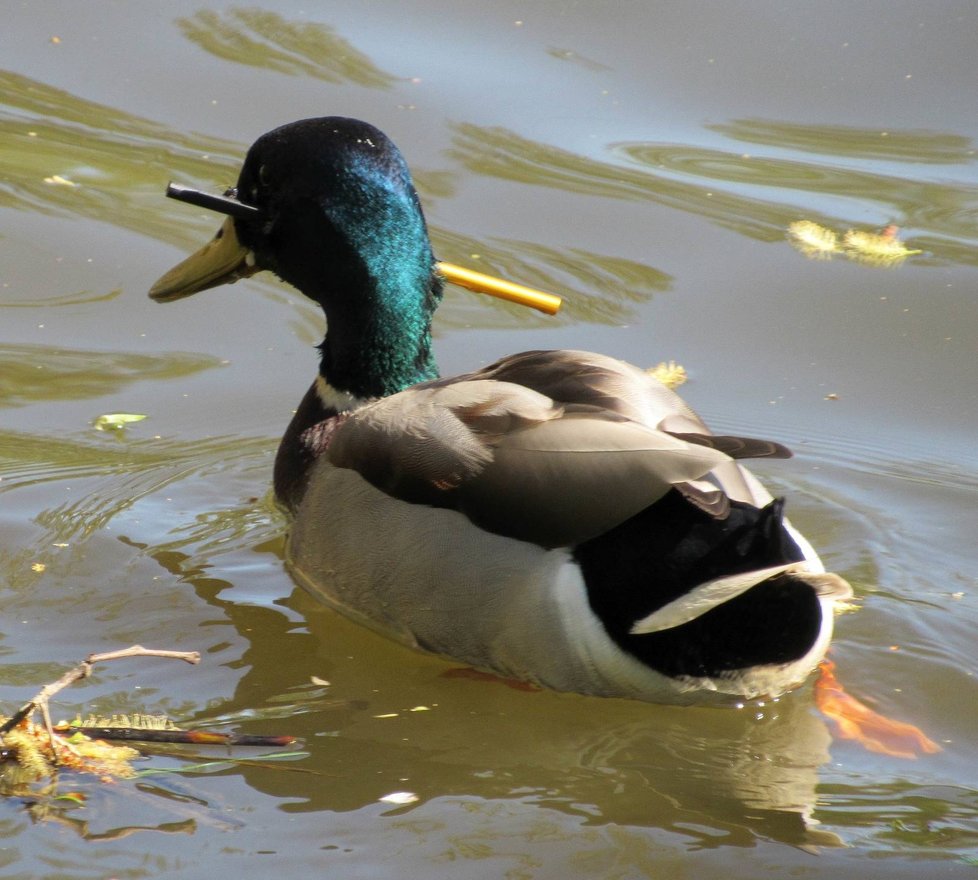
(109, 158)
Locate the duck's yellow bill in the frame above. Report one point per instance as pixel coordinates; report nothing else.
(480, 283)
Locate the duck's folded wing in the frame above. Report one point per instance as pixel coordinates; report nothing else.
(567, 480)
(422, 443)
(589, 379)
(515, 462)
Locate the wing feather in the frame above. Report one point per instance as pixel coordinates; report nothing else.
(553, 447)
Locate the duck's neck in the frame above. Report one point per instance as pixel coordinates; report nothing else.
(383, 344)
(368, 352)
(383, 291)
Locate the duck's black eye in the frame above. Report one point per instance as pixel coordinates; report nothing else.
(264, 180)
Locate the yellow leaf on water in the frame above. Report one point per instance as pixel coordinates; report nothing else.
(880, 248)
(813, 240)
(669, 373)
(883, 249)
(116, 421)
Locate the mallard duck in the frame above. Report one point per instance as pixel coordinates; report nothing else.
(558, 517)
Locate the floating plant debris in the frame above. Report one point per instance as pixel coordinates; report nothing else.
(669, 373)
(870, 248)
(31, 752)
(813, 240)
(116, 421)
(876, 248)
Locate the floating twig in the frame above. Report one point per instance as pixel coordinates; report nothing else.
(173, 735)
(80, 744)
(84, 670)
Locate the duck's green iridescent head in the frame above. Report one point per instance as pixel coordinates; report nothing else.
(338, 217)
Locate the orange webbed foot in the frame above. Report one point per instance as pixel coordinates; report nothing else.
(855, 720)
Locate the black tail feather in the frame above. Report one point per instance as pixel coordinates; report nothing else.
(674, 546)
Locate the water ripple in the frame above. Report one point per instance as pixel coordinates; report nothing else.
(913, 146)
(109, 478)
(30, 373)
(754, 195)
(259, 38)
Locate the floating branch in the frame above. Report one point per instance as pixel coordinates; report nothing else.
(23, 740)
(83, 670)
(173, 734)
(38, 750)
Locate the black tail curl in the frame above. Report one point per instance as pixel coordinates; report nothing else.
(671, 548)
